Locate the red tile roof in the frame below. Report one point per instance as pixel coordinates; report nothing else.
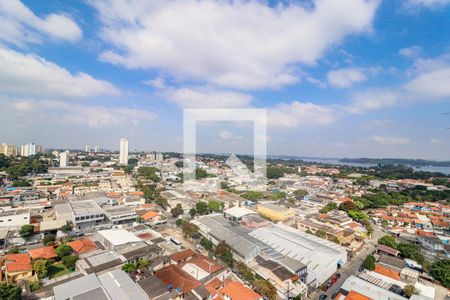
(82, 246)
(213, 285)
(352, 295)
(205, 263)
(182, 255)
(150, 215)
(237, 291)
(44, 252)
(380, 269)
(18, 262)
(173, 275)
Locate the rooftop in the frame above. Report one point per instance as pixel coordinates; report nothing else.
(238, 212)
(83, 245)
(87, 207)
(43, 252)
(119, 236)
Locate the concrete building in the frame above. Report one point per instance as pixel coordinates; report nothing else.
(275, 212)
(14, 218)
(64, 159)
(87, 148)
(97, 149)
(9, 150)
(31, 149)
(120, 214)
(113, 285)
(116, 239)
(81, 213)
(322, 257)
(123, 156)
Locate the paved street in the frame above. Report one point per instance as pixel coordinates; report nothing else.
(352, 266)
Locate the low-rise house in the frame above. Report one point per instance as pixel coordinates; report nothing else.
(18, 267)
(14, 217)
(43, 253)
(83, 246)
(237, 291)
(275, 212)
(120, 214)
(431, 242)
(179, 280)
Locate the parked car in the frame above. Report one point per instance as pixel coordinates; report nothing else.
(323, 297)
(325, 288)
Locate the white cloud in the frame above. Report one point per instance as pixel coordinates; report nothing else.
(431, 84)
(158, 82)
(30, 75)
(201, 97)
(239, 44)
(415, 4)
(225, 135)
(376, 124)
(345, 78)
(436, 141)
(20, 25)
(390, 141)
(410, 52)
(374, 99)
(300, 114)
(94, 116)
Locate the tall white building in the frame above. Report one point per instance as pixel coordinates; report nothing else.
(123, 157)
(31, 149)
(64, 159)
(87, 148)
(97, 149)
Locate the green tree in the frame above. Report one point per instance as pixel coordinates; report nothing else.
(143, 263)
(357, 215)
(320, 233)
(201, 207)
(207, 244)
(410, 290)
(10, 292)
(40, 268)
(215, 206)
(440, 270)
(252, 195)
(189, 229)
(192, 212)
(347, 206)
(66, 228)
(223, 251)
(149, 173)
(265, 289)
(85, 164)
(300, 193)
(274, 172)
(181, 222)
(389, 241)
(26, 231)
(69, 261)
(63, 250)
(35, 285)
(200, 173)
(329, 207)
(369, 263)
(49, 239)
(176, 211)
(411, 251)
(130, 267)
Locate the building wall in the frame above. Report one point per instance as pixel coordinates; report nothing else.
(273, 214)
(8, 150)
(15, 220)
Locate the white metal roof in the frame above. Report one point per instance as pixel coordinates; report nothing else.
(119, 236)
(238, 212)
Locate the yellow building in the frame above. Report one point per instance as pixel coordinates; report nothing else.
(18, 267)
(8, 150)
(275, 212)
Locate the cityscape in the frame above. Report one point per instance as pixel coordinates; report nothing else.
(225, 150)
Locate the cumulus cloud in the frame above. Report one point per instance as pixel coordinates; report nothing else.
(346, 77)
(410, 52)
(93, 116)
(298, 114)
(390, 141)
(30, 75)
(204, 97)
(20, 25)
(239, 44)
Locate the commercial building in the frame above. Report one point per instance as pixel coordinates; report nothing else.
(116, 239)
(120, 214)
(97, 149)
(114, 285)
(64, 159)
(87, 148)
(322, 257)
(275, 212)
(14, 218)
(81, 213)
(8, 150)
(123, 155)
(31, 149)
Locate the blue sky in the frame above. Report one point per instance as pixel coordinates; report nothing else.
(353, 78)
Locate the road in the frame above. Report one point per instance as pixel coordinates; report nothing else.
(352, 266)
